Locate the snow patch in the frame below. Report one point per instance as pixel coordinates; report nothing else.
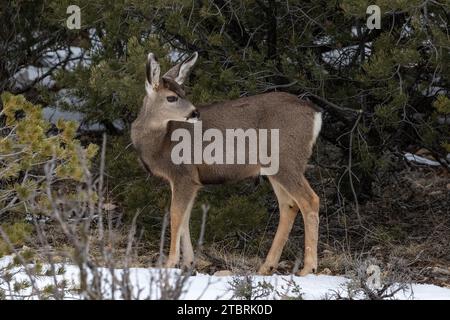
(147, 282)
(421, 160)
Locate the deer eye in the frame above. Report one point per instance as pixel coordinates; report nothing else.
(172, 98)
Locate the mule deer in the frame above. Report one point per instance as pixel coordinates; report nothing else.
(165, 108)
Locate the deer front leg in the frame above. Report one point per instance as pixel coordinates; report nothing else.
(183, 197)
(186, 243)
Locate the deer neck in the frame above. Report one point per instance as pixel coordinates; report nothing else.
(150, 138)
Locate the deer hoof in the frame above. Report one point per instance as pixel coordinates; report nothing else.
(188, 266)
(171, 264)
(266, 270)
(306, 270)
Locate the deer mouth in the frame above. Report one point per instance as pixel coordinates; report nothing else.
(193, 117)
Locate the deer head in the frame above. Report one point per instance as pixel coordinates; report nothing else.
(165, 98)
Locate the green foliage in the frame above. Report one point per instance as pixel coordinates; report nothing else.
(21, 285)
(27, 144)
(442, 106)
(246, 288)
(234, 215)
(26, 149)
(238, 213)
(17, 234)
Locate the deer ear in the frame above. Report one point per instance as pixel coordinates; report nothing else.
(180, 72)
(152, 73)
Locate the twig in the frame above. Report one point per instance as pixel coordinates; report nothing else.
(331, 104)
(350, 149)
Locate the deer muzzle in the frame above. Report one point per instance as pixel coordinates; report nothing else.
(193, 117)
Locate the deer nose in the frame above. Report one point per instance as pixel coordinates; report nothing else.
(194, 115)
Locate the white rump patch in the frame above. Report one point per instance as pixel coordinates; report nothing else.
(317, 126)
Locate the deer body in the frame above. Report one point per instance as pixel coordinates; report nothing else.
(299, 124)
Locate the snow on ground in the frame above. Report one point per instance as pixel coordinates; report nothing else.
(147, 283)
(421, 160)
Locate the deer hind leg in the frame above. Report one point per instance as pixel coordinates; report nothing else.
(183, 196)
(309, 206)
(288, 212)
(308, 202)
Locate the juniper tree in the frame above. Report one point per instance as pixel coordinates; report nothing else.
(26, 152)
